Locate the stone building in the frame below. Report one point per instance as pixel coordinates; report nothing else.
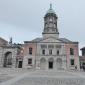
(82, 58)
(50, 51)
(10, 54)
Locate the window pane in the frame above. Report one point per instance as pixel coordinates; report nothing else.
(43, 46)
(30, 61)
(50, 52)
(58, 46)
(43, 52)
(50, 46)
(57, 52)
(30, 51)
(71, 51)
(72, 61)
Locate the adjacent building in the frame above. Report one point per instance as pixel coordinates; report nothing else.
(11, 55)
(82, 58)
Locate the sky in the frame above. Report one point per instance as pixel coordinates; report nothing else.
(23, 19)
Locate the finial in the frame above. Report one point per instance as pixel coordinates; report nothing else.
(50, 5)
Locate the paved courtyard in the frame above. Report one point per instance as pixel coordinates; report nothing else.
(39, 77)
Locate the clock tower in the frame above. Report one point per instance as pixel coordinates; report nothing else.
(50, 24)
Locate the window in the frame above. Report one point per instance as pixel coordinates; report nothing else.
(83, 52)
(72, 61)
(58, 46)
(30, 51)
(50, 52)
(50, 46)
(30, 61)
(71, 51)
(57, 52)
(43, 46)
(43, 52)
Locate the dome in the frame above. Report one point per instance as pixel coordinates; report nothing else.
(50, 10)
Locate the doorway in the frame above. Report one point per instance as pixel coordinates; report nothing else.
(20, 64)
(50, 65)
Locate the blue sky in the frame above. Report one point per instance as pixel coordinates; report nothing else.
(23, 19)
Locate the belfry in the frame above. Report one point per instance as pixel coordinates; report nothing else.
(50, 24)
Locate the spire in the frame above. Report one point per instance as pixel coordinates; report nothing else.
(50, 9)
(50, 6)
(10, 42)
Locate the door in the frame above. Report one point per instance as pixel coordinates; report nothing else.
(20, 64)
(50, 65)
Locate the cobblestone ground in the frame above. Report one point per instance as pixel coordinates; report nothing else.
(9, 73)
(39, 77)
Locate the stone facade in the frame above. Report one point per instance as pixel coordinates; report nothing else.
(10, 54)
(48, 52)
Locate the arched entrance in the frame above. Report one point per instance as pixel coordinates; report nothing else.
(59, 63)
(42, 63)
(50, 63)
(7, 59)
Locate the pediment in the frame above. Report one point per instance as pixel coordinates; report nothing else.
(51, 39)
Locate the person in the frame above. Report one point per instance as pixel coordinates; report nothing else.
(76, 67)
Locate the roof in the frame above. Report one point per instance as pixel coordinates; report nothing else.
(36, 40)
(12, 46)
(3, 39)
(82, 48)
(51, 10)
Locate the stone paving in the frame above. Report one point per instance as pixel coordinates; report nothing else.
(9, 73)
(39, 77)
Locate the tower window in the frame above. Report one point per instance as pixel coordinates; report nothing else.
(30, 61)
(50, 52)
(43, 52)
(30, 51)
(71, 51)
(72, 61)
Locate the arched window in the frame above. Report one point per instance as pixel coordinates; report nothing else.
(71, 51)
(7, 59)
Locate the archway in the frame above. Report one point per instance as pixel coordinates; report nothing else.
(59, 63)
(50, 63)
(42, 63)
(7, 59)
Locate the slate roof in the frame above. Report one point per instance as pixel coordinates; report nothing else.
(82, 48)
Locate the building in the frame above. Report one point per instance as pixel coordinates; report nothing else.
(82, 58)
(50, 51)
(10, 54)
